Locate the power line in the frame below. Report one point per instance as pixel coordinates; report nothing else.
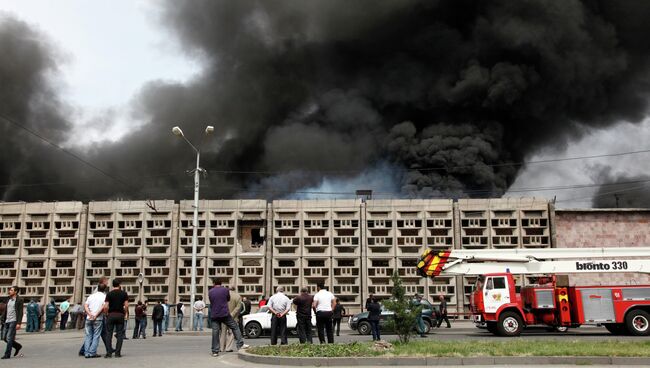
(75, 156)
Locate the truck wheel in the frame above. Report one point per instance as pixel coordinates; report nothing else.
(364, 328)
(560, 329)
(253, 330)
(510, 324)
(638, 322)
(616, 328)
(492, 327)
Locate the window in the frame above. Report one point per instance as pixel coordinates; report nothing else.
(499, 282)
(489, 285)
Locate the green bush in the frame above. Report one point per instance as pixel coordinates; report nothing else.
(406, 312)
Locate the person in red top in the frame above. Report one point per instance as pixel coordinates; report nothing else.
(262, 301)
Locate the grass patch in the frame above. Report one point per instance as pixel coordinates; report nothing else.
(470, 348)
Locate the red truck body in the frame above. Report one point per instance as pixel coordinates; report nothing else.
(622, 309)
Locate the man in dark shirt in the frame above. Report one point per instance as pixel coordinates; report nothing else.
(442, 315)
(220, 313)
(117, 302)
(157, 317)
(303, 304)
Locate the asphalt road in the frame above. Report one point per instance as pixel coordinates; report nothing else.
(192, 349)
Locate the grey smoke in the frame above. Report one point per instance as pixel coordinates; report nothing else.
(621, 190)
(445, 92)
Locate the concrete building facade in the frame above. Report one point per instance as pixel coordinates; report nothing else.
(59, 250)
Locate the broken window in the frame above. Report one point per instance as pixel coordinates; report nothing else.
(251, 234)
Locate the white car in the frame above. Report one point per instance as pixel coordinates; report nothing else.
(257, 323)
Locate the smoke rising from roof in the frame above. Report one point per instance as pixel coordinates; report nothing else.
(343, 87)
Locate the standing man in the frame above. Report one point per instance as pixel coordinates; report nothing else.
(279, 305)
(137, 320)
(324, 303)
(11, 319)
(303, 304)
(157, 317)
(443, 311)
(64, 314)
(245, 311)
(3, 308)
(94, 308)
(166, 315)
(143, 321)
(339, 311)
(180, 310)
(51, 311)
(199, 306)
(117, 302)
(32, 316)
(374, 315)
(419, 322)
(227, 339)
(219, 297)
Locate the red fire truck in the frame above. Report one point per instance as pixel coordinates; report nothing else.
(507, 309)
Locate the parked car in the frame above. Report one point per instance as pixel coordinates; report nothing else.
(256, 324)
(360, 322)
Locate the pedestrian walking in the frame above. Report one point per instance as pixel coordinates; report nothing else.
(180, 311)
(32, 316)
(51, 311)
(166, 315)
(219, 297)
(279, 305)
(324, 303)
(199, 308)
(64, 307)
(442, 314)
(139, 311)
(226, 337)
(303, 304)
(94, 308)
(374, 315)
(11, 319)
(157, 317)
(337, 315)
(118, 312)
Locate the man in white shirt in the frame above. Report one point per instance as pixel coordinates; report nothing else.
(199, 306)
(324, 303)
(94, 308)
(279, 305)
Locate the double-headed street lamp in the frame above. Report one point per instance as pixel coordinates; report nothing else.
(195, 226)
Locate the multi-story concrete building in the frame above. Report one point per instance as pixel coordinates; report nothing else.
(59, 250)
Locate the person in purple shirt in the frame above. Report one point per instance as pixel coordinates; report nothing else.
(219, 313)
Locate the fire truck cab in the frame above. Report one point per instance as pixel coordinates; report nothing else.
(506, 310)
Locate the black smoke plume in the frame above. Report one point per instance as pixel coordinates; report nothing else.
(621, 191)
(445, 92)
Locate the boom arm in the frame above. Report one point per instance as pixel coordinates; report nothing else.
(534, 261)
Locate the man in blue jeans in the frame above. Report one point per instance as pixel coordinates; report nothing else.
(11, 319)
(94, 308)
(219, 297)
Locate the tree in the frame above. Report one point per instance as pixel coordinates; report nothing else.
(406, 312)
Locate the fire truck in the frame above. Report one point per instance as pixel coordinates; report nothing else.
(549, 300)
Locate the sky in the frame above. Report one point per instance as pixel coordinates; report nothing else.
(120, 62)
(108, 50)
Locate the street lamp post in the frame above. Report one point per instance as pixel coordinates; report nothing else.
(195, 224)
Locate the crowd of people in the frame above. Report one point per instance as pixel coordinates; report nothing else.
(105, 315)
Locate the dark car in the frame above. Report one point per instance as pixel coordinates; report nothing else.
(360, 322)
